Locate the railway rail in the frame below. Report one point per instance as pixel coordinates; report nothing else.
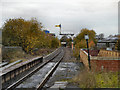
(58, 54)
(48, 75)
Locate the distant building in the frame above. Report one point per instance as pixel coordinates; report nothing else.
(107, 43)
(49, 34)
(52, 34)
(46, 31)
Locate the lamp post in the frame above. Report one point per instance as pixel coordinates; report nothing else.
(86, 38)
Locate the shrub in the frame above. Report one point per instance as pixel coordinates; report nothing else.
(89, 79)
(27, 34)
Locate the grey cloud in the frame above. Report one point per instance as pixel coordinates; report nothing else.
(72, 14)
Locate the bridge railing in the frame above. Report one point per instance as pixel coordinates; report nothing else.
(12, 72)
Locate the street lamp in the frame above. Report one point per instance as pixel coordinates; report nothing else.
(86, 38)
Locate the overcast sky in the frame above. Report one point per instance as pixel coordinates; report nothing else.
(99, 15)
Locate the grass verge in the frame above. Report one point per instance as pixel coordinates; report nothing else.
(11, 55)
(89, 79)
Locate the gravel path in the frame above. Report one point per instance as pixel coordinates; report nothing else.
(68, 55)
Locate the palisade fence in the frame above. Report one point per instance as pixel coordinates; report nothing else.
(111, 54)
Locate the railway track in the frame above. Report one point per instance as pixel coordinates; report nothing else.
(48, 75)
(57, 57)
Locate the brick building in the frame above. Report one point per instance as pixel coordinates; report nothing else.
(107, 43)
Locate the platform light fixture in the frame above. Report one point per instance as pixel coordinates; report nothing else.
(86, 38)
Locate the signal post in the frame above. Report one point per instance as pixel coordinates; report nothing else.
(71, 34)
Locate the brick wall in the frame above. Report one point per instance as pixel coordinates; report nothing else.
(106, 65)
(84, 58)
(101, 63)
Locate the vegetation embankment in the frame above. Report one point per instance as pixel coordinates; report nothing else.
(97, 80)
(11, 55)
(27, 34)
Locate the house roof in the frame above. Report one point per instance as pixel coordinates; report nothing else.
(109, 39)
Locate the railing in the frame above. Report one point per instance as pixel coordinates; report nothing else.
(3, 64)
(9, 65)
